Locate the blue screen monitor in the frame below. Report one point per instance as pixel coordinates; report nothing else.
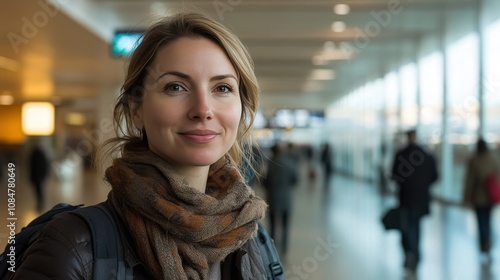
(125, 42)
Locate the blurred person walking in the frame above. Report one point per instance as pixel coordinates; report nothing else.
(326, 162)
(280, 179)
(414, 170)
(312, 175)
(481, 165)
(38, 166)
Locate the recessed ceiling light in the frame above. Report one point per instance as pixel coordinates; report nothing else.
(38, 118)
(6, 100)
(341, 9)
(75, 118)
(338, 26)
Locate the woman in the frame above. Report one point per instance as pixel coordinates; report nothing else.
(188, 99)
(480, 166)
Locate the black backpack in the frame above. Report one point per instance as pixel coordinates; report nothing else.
(108, 256)
(270, 257)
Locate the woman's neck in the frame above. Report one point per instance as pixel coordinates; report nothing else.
(196, 176)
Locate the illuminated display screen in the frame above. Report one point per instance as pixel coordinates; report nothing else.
(125, 42)
(289, 118)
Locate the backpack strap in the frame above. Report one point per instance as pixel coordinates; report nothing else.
(268, 253)
(109, 260)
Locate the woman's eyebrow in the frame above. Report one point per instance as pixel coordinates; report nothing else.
(175, 73)
(222, 77)
(186, 76)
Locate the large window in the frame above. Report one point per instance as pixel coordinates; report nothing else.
(391, 102)
(431, 98)
(491, 83)
(463, 107)
(463, 69)
(409, 105)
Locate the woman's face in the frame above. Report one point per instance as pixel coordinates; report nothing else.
(191, 107)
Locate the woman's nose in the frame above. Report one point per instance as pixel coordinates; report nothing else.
(200, 107)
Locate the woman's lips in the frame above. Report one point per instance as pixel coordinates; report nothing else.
(199, 136)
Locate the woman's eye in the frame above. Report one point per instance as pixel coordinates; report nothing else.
(224, 88)
(173, 87)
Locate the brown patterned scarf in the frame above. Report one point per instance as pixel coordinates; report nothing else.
(177, 230)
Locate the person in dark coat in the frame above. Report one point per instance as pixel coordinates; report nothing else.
(39, 170)
(414, 170)
(326, 161)
(480, 166)
(281, 177)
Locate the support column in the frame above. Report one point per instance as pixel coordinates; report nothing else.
(400, 105)
(480, 89)
(416, 57)
(446, 148)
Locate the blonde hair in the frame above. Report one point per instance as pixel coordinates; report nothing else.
(163, 33)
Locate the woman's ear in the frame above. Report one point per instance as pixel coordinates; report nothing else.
(136, 114)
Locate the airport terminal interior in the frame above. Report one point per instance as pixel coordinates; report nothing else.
(354, 74)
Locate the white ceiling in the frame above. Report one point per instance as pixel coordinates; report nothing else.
(68, 54)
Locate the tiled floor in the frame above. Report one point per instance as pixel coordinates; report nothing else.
(349, 217)
(333, 236)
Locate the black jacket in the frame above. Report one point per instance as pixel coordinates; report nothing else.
(414, 170)
(63, 251)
